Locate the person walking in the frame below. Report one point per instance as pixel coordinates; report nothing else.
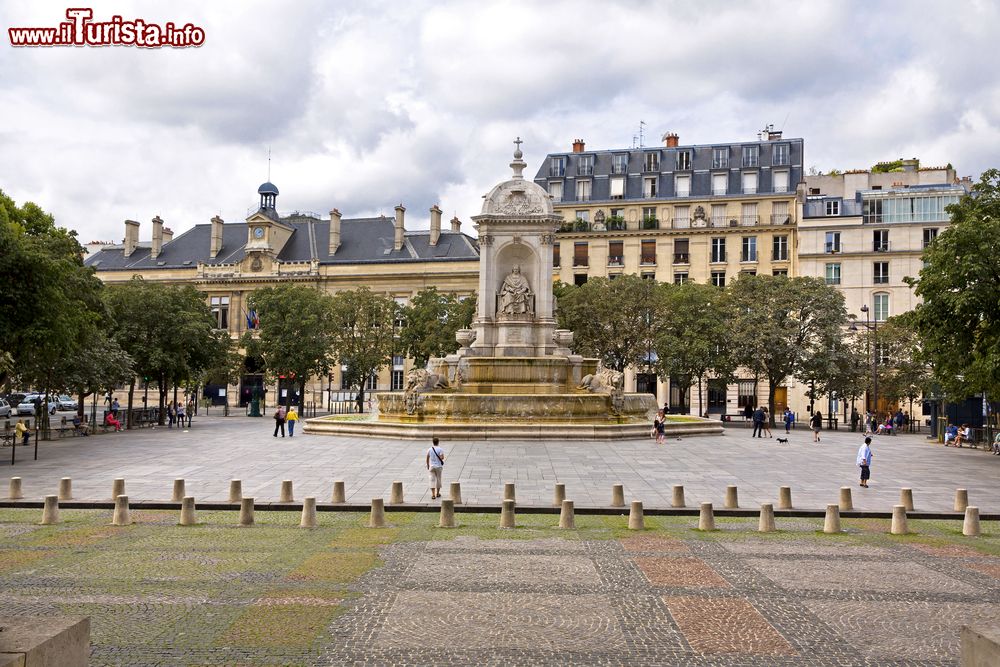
(115, 407)
(766, 424)
(180, 414)
(435, 466)
(789, 420)
(758, 424)
(171, 415)
(190, 411)
(279, 421)
(855, 419)
(659, 427)
(898, 420)
(864, 461)
(817, 424)
(291, 418)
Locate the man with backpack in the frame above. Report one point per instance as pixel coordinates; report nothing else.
(435, 466)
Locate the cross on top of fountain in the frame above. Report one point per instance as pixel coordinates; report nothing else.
(518, 164)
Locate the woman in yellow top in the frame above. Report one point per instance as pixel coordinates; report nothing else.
(291, 418)
(22, 431)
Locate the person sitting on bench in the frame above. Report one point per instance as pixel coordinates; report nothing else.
(80, 426)
(950, 433)
(964, 435)
(110, 420)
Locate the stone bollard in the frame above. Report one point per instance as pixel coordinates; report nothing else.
(970, 527)
(286, 492)
(906, 499)
(121, 516)
(961, 499)
(187, 512)
(455, 490)
(447, 514)
(117, 488)
(677, 499)
(378, 514)
(507, 513)
(246, 511)
(558, 494)
(235, 490)
(831, 524)
(50, 511)
(66, 489)
(567, 516)
(396, 493)
(732, 497)
(508, 491)
(15, 489)
(617, 495)
(766, 523)
(706, 517)
(339, 496)
(636, 521)
(308, 513)
(178, 493)
(785, 498)
(846, 503)
(899, 526)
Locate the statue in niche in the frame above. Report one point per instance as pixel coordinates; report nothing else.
(515, 293)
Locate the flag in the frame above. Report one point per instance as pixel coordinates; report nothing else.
(253, 322)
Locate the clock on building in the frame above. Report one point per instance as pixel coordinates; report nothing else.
(258, 232)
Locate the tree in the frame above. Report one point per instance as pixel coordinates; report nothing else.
(362, 330)
(610, 319)
(430, 322)
(98, 366)
(780, 323)
(902, 373)
(692, 335)
(958, 321)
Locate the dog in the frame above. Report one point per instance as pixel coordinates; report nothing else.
(782, 441)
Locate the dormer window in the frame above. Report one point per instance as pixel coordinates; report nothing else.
(684, 160)
(585, 167)
(619, 163)
(651, 162)
(557, 166)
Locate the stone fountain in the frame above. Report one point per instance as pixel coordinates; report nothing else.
(514, 375)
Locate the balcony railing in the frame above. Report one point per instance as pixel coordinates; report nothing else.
(881, 247)
(748, 257)
(720, 191)
(720, 221)
(832, 247)
(616, 260)
(779, 256)
(647, 259)
(720, 163)
(557, 170)
(581, 261)
(780, 188)
(582, 196)
(619, 169)
(650, 165)
(779, 160)
(781, 219)
(750, 160)
(615, 224)
(749, 220)
(585, 170)
(749, 189)
(680, 223)
(650, 223)
(682, 258)
(718, 257)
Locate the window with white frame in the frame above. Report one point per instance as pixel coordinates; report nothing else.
(583, 189)
(780, 180)
(833, 207)
(720, 184)
(719, 278)
(617, 187)
(749, 250)
(779, 213)
(880, 273)
(649, 186)
(683, 160)
(719, 215)
(779, 248)
(880, 240)
(583, 214)
(749, 182)
(833, 273)
(832, 242)
(682, 185)
(748, 213)
(648, 213)
(220, 311)
(396, 381)
(720, 158)
(557, 166)
(779, 156)
(929, 235)
(719, 249)
(651, 162)
(881, 306)
(556, 190)
(585, 165)
(751, 156)
(680, 277)
(619, 163)
(682, 217)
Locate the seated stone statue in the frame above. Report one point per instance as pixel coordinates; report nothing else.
(515, 293)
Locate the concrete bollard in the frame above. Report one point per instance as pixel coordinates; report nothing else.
(187, 512)
(308, 513)
(66, 489)
(831, 523)
(15, 489)
(507, 513)
(246, 511)
(508, 491)
(617, 495)
(455, 490)
(677, 497)
(121, 517)
(447, 514)
(785, 498)
(732, 497)
(567, 516)
(899, 526)
(286, 492)
(846, 502)
(961, 499)
(970, 527)
(50, 511)
(117, 488)
(235, 490)
(636, 521)
(177, 495)
(558, 494)
(396, 493)
(378, 514)
(339, 496)
(706, 517)
(906, 499)
(766, 523)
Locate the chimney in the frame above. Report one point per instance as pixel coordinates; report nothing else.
(456, 225)
(670, 139)
(578, 145)
(168, 235)
(216, 237)
(334, 231)
(157, 238)
(435, 224)
(398, 242)
(131, 236)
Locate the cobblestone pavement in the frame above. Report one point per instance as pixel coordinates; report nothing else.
(218, 449)
(412, 594)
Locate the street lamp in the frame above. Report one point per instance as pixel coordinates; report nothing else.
(871, 325)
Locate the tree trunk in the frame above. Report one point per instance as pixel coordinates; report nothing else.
(161, 387)
(80, 401)
(302, 395)
(772, 385)
(701, 403)
(131, 393)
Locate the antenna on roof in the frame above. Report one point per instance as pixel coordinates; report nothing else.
(642, 125)
(268, 164)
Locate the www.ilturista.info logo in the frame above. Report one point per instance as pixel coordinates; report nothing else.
(80, 30)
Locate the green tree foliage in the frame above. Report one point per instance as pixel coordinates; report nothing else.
(902, 373)
(958, 321)
(362, 330)
(430, 322)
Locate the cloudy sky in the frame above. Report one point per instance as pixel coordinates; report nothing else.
(367, 104)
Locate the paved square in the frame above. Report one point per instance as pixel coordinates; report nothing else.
(497, 571)
(860, 575)
(721, 625)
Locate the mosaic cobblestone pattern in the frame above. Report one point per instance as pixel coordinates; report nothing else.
(413, 594)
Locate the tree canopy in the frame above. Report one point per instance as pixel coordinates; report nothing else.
(361, 325)
(430, 321)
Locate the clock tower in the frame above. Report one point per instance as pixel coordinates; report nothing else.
(266, 233)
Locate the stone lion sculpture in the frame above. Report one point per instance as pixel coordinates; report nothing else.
(421, 379)
(604, 381)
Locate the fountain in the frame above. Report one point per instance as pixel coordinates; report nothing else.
(514, 375)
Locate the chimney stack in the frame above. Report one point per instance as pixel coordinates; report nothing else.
(578, 145)
(154, 251)
(398, 242)
(334, 231)
(216, 237)
(131, 237)
(456, 225)
(671, 139)
(435, 224)
(168, 235)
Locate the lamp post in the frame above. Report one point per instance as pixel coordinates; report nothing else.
(872, 326)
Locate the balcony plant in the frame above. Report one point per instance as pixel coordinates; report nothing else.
(581, 225)
(616, 223)
(650, 223)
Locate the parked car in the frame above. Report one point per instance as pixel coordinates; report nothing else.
(27, 406)
(15, 399)
(66, 402)
(5, 408)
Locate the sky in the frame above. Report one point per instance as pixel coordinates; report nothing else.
(364, 105)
